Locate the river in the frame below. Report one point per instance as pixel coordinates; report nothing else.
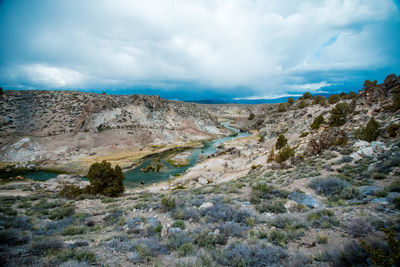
(135, 176)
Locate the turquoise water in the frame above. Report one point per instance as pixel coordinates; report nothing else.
(135, 176)
(34, 175)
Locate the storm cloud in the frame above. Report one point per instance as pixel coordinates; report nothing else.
(197, 49)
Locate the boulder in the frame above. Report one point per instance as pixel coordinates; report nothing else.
(327, 138)
(203, 181)
(291, 205)
(347, 159)
(368, 190)
(304, 199)
(206, 205)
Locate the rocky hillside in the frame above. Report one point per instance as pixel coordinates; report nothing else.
(40, 126)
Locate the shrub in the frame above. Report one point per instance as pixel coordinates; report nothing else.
(274, 206)
(368, 83)
(175, 240)
(105, 180)
(284, 154)
(241, 215)
(370, 132)
(339, 115)
(231, 229)
(302, 104)
(352, 254)
(239, 254)
(351, 95)
(280, 142)
(319, 99)
(378, 176)
(185, 250)
(392, 129)
(281, 107)
(396, 99)
(73, 254)
(359, 227)
(218, 212)
(271, 155)
(168, 203)
(208, 239)
(251, 116)
(74, 230)
(286, 222)
(279, 238)
(396, 202)
(12, 237)
(40, 247)
(333, 99)
(321, 239)
(290, 101)
(307, 95)
(73, 191)
(186, 214)
(323, 219)
(394, 186)
(179, 224)
(317, 122)
(62, 212)
(264, 191)
(379, 257)
(328, 186)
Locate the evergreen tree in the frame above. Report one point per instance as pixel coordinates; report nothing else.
(281, 141)
(105, 180)
(339, 115)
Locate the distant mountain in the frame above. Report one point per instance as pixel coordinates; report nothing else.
(247, 101)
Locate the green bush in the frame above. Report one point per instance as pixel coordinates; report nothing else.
(302, 104)
(352, 95)
(179, 224)
(396, 99)
(280, 142)
(307, 95)
(339, 115)
(168, 203)
(62, 212)
(290, 101)
(271, 156)
(378, 256)
(317, 122)
(368, 83)
(185, 250)
(251, 116)
(74, 230)
(274, 206)
(279, 238)
(370, 132)
(333, 99)
(105, 180)
(319, 99)
(392, 129)
(321, 239)
(281, 107)
(284, 154)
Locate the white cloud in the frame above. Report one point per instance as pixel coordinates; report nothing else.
(260, 45)
(51, 76)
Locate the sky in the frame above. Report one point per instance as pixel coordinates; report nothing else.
(198, 49)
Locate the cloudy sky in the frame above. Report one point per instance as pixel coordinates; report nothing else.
(198, 49)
